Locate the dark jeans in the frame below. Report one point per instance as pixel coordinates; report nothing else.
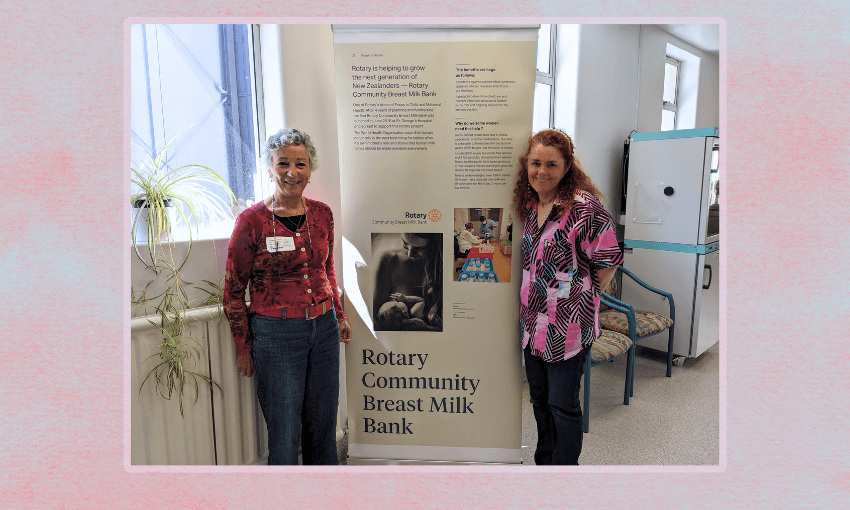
(554, 389)
(297, 363)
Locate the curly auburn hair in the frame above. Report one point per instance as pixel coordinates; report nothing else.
(574, 179)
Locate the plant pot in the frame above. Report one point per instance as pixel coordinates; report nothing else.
(140, 219)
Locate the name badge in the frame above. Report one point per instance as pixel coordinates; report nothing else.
(275, 244)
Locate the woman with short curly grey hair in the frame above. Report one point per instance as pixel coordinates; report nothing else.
(283, 248)
(286, 137)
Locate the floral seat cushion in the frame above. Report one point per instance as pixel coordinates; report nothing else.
(646, 323)
(609, 345)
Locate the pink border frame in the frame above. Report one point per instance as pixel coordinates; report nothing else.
(424, 469)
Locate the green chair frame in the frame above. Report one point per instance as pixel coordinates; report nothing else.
(588, 364)
(630, 314)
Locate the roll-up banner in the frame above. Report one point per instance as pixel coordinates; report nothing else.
(432, 121)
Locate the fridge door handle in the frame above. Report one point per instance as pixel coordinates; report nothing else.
(707, 285)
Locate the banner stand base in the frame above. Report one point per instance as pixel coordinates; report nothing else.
(371, 454)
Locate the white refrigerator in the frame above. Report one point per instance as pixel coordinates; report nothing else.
(671, 237)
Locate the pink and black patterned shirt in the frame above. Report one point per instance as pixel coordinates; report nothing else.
(296, 278)
(559, 296)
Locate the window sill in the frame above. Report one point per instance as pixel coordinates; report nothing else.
(180, 234)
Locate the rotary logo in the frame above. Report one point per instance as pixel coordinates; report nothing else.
(435, 215)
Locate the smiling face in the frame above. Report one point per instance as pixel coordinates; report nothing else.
(546, 168)
(290, 171)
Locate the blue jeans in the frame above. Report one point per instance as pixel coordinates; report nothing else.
(554, 390)
(297, 364)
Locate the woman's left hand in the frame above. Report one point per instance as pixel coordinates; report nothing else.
(344, 331)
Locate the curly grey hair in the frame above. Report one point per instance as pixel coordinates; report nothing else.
(285, 138)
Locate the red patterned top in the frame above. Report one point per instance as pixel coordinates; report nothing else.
(289, 278)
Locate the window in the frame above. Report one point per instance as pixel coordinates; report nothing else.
(544, 87)
(198, 82)
(670, 106)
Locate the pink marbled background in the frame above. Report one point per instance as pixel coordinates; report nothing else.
(63, 261)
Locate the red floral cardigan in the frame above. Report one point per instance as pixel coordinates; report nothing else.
(295, 278)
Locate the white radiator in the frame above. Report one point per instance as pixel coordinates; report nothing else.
(223, 427)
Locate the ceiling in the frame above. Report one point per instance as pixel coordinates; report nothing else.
(704, 37)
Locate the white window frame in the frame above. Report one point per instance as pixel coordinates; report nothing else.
(549, 78)
(674, 105)
(223, 229)
(257, 85)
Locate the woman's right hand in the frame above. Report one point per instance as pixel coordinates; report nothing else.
(245, 364)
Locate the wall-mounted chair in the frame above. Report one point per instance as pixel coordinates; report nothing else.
(608, 346)
(646, 324)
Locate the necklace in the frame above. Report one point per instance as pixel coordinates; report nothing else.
(291, 224)
(541, 208)
(274, 235)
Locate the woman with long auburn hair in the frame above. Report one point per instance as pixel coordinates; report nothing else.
(573, 180)
(569, 256)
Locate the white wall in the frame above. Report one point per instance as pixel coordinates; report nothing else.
(566, 77)
(708, 102)
(610, 81)
(206, 262)
(605, 103)
(653, 48)
(300, 92)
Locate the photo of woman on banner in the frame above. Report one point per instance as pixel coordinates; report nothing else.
(465, 240)
(408, 292)
(282, 248)
(569, 256)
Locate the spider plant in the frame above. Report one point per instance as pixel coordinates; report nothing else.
(141, 298)
(173, 371)
(163, 190)
(215, 295)
(160, 187)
